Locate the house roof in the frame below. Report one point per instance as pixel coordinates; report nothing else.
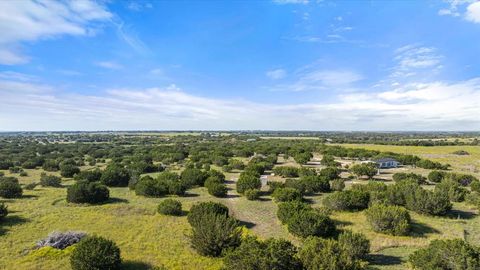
(385, 160)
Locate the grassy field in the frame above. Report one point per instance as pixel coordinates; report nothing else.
(150, 239)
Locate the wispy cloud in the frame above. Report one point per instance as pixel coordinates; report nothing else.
(139, 6)
(413, 58)
(276, 74)
(109, 65)
(27, 21)
(435, 105)
(473, 12)
(284, 2)
(468, 9)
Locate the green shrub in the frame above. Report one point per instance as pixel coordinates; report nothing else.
(31, 186)
(446, 254)
(165, 183)
(115, 175)
(15, 169)
(475, 186)
(330, 173)
(397, 177)
(50, 180)
(23, 174)
(286, 194)
(214, 233)
(50, 165)
(473, 198)
(3, 211)
(272, 185)
(327, 254)
(286, 210)
(170, 207)
(252, 194)
(347, 200)
(10, 188)
(366, 169)
(452, 189)
(337, 184)
(217, 189)
(95, 253)
(428, 202)
(311, 223)
(248, 180)
(315, 183)
(286, 171)
(394, 220)
(436, 176)
(193, 177)
(356, 245)
(68, 170)
(275, 254)
(462, 179)
(87, 192)
(90, 176)
(198, 210)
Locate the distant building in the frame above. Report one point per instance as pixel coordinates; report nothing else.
(383, 163)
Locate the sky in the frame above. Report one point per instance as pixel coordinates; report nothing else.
(240, 65)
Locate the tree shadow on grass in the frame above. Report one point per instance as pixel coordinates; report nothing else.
(10, 221)
(227, 182)
(189, 195)
(29, 196)
(116, 200)
(247, 224)
(136, 265)
(231, 196)
(384, 260)
(420, 229)
(459, 214)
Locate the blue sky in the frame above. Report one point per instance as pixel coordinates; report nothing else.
(285, 64)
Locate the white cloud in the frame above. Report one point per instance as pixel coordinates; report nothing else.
(411, 59)
(26, 21)
(320, 79)
(276, 74)
(473, 12)
(109, 65)
(428, 106)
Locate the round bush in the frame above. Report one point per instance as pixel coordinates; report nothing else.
(149, 187)
(446, 254)
(247, 181)
(50, 180)
(351, 200)
(311, 223)
(287, 210)
(394, 220)
(95, 253)
(3, 211)
(170, 207)
(217, 189)
(286, 194)
(86, 192)
(252, 194)
(356, 245)
(10, 188)
(115, 176)
(68, 170)
(436, 176)
(198, 210)
(475, 186)
(337, 184)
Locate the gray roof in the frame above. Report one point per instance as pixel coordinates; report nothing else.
(385, 160)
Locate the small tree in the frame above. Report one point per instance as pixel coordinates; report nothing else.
(50, 180)
(311, 223)
(366, 169)
(286, 210)
(248, 181)
(95, 253)
(436, 176)
(446, 254)
(87, 192)
(393, 220)
(213, 234)
(286, 194)
(3, 211)
(170, 207)
(198, 210)
(347, 200)
(252, 194)
(356, 245)
(115, 175)
(337, 184)
(10, 188)
(68, 170)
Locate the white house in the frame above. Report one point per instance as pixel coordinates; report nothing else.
(383, 163)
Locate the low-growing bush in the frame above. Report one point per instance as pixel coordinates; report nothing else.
(337, 184)
(475, 186)
(68, 170)
(272, 185)
(3, 211)
(87, 192)
(23, 174)
(10, 188)
(90, 176)
(356, 245)
(286, 194)
(115, 175)
(446, 254)
(347, 200)
(397, 177)
(248, 180)
(286, 210)
(278, 254)
(61, 240)
(318, 254)
(252, 194)
(366, 169)
(436, 176)
(31, 186)
(170, 207)
(50, 180)
(330, 173)
(394, 220)
(204, 208)
(462, 179)
(311, 223)
(217, 189)
(95, 253)
(286, 171)
(214, 233)
(193, 177)
(452, 189)
(165, 183)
